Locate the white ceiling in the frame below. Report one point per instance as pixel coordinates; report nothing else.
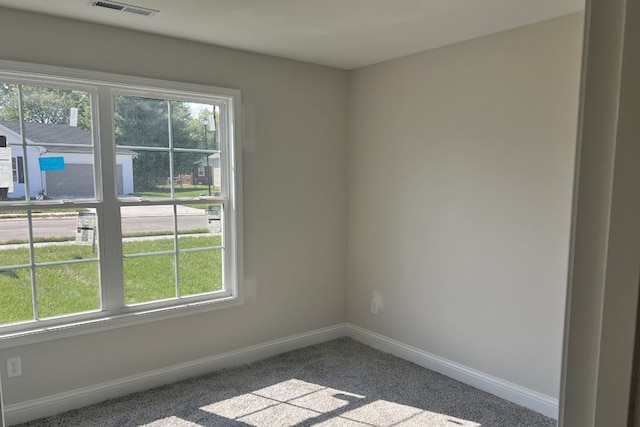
(340, 33)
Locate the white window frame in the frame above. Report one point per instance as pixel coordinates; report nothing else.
(103, 87)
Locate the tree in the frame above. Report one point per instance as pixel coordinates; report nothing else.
(205, 135)
(143, 122)
(44, 105)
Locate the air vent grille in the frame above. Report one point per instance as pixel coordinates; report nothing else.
(123, 7)
(108, 5)
(138, 11)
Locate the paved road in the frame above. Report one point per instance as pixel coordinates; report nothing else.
(133, 220)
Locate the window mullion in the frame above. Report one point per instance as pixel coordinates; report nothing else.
(176, 251)
(109, 221)
(23, 141)
(32, 262)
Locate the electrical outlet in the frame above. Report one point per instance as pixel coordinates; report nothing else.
(374, 306)
(14, 367)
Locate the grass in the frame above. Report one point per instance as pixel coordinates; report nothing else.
(72, 288)
(54, 239)
(21, 213)
(187, 190)
(38, 240)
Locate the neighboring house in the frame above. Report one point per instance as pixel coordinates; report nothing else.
(76, 179)
(206, 171)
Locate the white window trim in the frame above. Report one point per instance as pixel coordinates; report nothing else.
(72, 325)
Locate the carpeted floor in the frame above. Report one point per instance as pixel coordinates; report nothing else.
(340, 383)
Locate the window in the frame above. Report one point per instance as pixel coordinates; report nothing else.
(108, 222)
(17, 170)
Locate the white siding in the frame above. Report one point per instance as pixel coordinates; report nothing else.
(33, 169)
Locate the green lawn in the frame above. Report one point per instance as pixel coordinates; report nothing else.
(187, 190)
(21, 213)
(72, 288)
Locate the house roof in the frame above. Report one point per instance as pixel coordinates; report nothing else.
(50, 133)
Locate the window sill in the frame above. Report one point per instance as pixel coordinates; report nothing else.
(106, 322)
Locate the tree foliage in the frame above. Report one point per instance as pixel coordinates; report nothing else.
(144, 122)
(140, 123)
(44, 105)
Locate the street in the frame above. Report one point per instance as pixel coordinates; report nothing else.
(138, 220)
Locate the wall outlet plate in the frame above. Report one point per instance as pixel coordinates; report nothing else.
(14, 367)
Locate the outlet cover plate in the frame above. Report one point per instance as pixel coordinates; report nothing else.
(14, 367)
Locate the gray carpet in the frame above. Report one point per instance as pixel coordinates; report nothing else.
(340, 383)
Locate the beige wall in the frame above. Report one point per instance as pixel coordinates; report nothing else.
(294, 205)
(460, 179)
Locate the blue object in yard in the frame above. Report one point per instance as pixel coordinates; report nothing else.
(51, 164)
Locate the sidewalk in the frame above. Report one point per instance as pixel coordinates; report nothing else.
(127, 212)
(138, 211)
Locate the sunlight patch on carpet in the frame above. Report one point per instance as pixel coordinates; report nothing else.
(171, 422)
(292, 402)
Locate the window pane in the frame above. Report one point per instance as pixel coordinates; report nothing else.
(196, 174)
(9, 120)
(14, 239)
(192, 219)
(16, 296)
(141, 122)
(57, 157)
(200, 272)
(148, 230)
(65, 235)
(195, 125)
(203, 222)
(151, 175)
(174, 145)
(47, 105)
(149, 278)
(8, 102)
(144, 223)
(67, 288)
(57, 127)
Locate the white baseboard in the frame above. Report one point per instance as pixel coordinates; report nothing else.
(78, 398)
(50, 405)
(538, 402)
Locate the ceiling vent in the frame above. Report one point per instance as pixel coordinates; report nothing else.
(123, 7)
